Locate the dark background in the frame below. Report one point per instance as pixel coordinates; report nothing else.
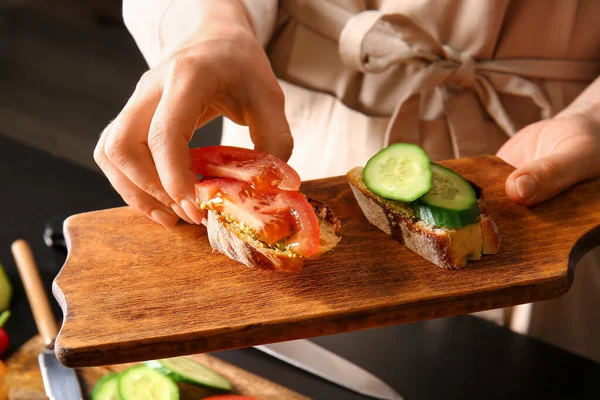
(67, 67)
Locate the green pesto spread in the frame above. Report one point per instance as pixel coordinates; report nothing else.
(245, 232)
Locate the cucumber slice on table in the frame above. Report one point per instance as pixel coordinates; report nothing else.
(6, 290)
(186, 370)
(399, 172)
(451, 202)
(142, 383)
(106, 388)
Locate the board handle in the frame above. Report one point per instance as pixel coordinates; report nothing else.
(36, 294)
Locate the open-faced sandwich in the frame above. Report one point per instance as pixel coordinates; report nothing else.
(430, 209)
(256, 214)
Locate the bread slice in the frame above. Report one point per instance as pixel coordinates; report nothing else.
(239, 246)
(446, 248)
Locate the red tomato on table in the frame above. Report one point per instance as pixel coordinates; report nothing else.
(4, 341)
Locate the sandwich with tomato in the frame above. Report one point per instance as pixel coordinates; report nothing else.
(255, 213)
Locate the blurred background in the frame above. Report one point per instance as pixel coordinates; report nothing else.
(67, 67)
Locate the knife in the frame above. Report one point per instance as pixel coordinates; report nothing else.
(302, 354)
(60, 382)
(325, 364)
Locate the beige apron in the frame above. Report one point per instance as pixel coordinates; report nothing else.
(457, 77)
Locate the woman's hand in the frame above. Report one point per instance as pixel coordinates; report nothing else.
(550, 156)
(219, 70)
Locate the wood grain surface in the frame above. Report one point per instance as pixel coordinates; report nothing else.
(25, 380)
(131, 290)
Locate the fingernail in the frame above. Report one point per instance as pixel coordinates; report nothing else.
(163, 218)
(192, 211)
(525, 186)
(179, 211)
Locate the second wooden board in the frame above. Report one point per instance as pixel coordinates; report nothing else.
(25, 378)
(131, 290)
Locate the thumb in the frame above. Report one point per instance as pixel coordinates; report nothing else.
(543, 178)
(268, 125)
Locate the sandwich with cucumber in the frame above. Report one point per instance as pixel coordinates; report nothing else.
(431, 209)
(255, 212)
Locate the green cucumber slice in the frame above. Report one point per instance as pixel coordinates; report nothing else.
(6, 290)
(106, 388)
(186, 370)
(451, 202)
(142, 383)
(400, 172)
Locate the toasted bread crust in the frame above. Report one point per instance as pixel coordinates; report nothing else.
(446, 248)
(254, 255)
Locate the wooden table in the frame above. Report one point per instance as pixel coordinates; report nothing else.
(451, 358)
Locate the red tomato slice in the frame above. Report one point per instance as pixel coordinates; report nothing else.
(230, 397)
(257, 168)
(238, 200)
(273, 215)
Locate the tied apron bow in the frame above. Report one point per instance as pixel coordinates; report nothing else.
(439, 78)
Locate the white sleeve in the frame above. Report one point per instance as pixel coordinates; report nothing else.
(150, 21)
(263, 14)
(143, 18)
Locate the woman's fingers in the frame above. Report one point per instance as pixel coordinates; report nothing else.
(540, 179)
(207, 117)
(145, 152)
(185, 99)
(131, 194)
(126, 145)
(268, 125)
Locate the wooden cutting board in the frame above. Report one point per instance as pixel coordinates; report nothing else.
(131, 290)
(25, 380)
